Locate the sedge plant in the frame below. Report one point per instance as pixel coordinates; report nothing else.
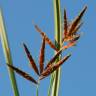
(64, 39)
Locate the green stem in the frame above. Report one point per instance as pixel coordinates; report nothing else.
(51, 83)
(37, 93)
(7, 53)
(37, 88)
(57, 16)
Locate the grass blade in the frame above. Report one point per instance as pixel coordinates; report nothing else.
(7, 54)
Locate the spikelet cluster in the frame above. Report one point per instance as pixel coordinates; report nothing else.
(70, 36)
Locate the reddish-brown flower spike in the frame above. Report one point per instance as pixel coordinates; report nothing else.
(46, 38)
(76, 21)
(40, 31)
(54, 67)
(65, 24)
(70, 44)
(23, 74)
(32, 62)
(42, 55)
(75, 38)
(54, 58)
(77, 28)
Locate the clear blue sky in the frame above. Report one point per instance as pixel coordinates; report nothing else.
(78, 73)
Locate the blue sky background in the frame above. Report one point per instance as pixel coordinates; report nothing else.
(78, 73)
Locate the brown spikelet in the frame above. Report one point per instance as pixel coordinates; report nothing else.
(54, 67)
(68, 38)
(33, 65)
(54, 58)
(76, 21)
(76, 29)
(41, 57)
(51, 44)
(70, 44)
(75, 38)
(46, 38)
(40, 31)
(23, 74)
(65, 24)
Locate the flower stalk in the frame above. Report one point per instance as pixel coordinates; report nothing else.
(58, 40)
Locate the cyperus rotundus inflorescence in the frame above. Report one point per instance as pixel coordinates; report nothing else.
(70, 36)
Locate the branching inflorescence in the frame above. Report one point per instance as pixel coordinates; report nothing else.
(70, 36)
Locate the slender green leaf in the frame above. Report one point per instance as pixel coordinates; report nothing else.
(7, 54)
